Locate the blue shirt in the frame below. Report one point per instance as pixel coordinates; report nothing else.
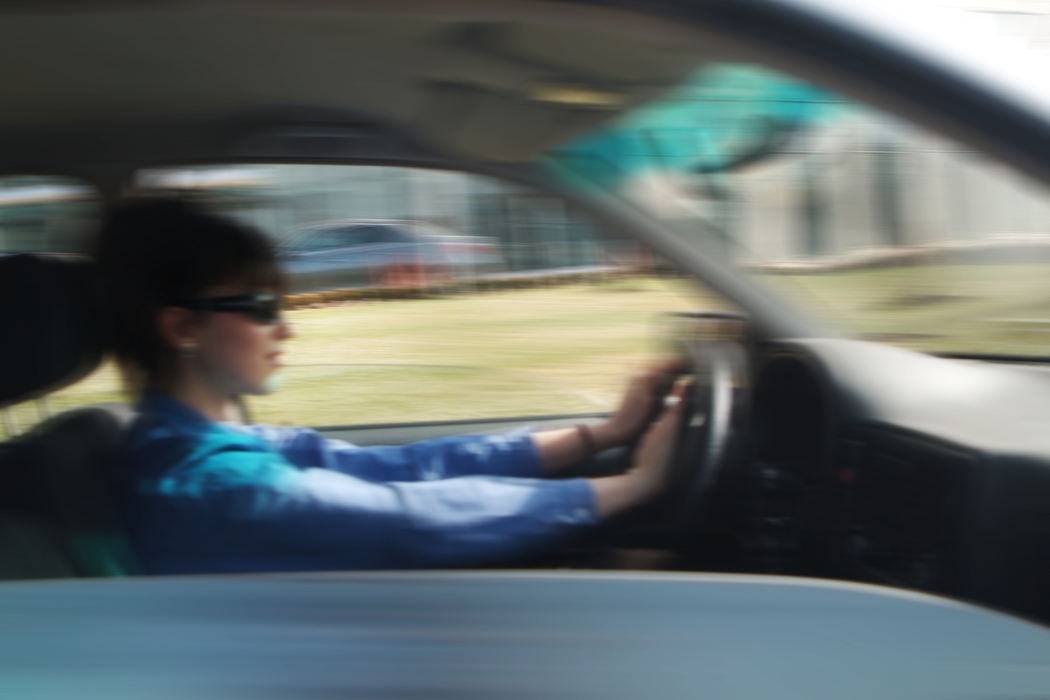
(199, 496)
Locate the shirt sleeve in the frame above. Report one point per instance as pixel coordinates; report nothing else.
(508, 454)
(253, 510)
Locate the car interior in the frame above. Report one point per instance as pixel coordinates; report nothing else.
(807, 453)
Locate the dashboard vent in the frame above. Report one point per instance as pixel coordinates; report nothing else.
(905, 505)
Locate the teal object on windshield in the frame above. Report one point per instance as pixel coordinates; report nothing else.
(723, 117)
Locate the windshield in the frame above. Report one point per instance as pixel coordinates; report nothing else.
(883, 230)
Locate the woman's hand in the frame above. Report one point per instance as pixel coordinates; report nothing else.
(561, 448)
(637, 407)
(652, 463)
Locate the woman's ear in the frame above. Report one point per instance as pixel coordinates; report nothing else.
(178, 327)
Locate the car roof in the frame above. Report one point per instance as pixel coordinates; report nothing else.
(98, 88)
(184, 80)
(296, 235)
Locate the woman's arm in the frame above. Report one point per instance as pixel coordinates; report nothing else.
(652, 464)
(244, 510)
(516, 453)
(252, 511)
(504, 454)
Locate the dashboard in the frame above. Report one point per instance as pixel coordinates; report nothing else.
(863, 462)
(872, 463)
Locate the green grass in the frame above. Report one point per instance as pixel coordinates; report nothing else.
(509, 353)
(992, 308)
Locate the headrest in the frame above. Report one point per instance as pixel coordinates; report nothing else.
(51, 336)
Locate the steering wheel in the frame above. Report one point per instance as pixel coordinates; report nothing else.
(717, 366)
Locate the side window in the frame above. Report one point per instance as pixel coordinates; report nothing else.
(325, 239)
(40, 214)
(370, 235)
(498, 301)
(360, 235)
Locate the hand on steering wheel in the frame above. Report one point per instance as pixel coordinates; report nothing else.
(654, 459)
(685, 449)
(714, 355)
(651, 464)
(712, 410)
(641, 405)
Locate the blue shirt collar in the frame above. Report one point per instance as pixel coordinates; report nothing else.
(174, 412)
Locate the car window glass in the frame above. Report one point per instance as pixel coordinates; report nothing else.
(498, 301)
(101, 386)
(43, 214)
(369, 235)
(324, 239)
(512, 303)
(879, 227)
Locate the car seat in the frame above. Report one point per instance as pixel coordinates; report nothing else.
(56, 510)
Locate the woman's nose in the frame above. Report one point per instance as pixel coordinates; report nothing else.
(285, 329)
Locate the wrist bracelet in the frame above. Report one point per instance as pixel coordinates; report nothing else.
(589, 446)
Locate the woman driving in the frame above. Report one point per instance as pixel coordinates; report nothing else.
(195, 322)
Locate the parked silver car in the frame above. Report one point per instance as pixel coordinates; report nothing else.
(378, 252)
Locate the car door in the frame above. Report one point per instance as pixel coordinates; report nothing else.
(379, 247)
(321, 257)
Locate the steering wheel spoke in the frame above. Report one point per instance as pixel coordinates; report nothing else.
(714, 345)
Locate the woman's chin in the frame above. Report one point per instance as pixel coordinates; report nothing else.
(263, 388)
(271, 383)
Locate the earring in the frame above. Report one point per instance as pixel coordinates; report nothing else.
(187, 351)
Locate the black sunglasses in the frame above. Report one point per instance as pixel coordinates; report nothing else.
(261, 307)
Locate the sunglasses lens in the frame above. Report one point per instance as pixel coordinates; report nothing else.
(261, 308)
(266, 310)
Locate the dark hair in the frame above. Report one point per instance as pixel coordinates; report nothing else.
(155, 253)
